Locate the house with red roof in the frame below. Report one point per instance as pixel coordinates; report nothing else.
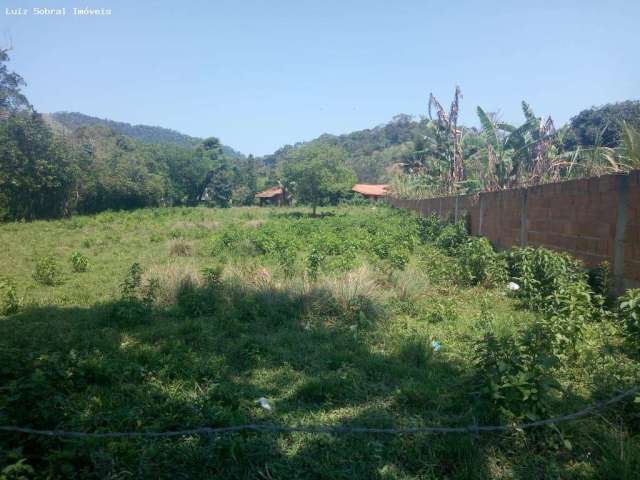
(371, 191)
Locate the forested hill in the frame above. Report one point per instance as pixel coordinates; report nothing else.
(142, 133)
(371, 152)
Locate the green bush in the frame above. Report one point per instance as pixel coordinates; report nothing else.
(132, 282)
(480, 264)
(600, 279)
(429, 227)
(629, 311)
(515, 373)
(47, 271)
(314, 261)
(541, 272)
(451, 237)
(79, 262)
(9, 300)
(131, 308)
(213, 277)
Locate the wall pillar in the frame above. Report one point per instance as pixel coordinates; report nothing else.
(523, 218)
(621, 223)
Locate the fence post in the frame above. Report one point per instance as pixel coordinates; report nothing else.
(523, 218)
(480, 214)
(621, 223)
(455, 210)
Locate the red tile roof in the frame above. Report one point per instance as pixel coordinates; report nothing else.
(270, 192)
(369, 189)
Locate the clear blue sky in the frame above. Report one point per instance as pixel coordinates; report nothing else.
(260, 74)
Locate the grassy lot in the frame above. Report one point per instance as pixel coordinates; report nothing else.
(351, 318)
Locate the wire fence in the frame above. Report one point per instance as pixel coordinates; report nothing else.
(470, 429)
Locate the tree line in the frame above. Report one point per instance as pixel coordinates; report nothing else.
(50, 172)
(450, 159)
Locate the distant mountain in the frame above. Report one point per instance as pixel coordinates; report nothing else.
(372, 152)
(142, 133)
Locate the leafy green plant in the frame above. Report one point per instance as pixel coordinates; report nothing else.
(9, 301)
(132, 281)
(515, 373)
(136, 300)
(442, 312)
(480, 264)
(451, 237)
(212, 277)
(540, 272)
(629, 311)
(429, 227)
(47, 271)
(600, 280)
(314, 260)
(79, 262)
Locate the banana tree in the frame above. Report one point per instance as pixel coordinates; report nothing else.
(518, 155)
(448, 139)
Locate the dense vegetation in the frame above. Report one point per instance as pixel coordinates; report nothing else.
(160, 319)
(47, 171)
(143, 133)
(71, 163)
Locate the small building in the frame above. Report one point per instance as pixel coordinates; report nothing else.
(371, 191)
(271, 196)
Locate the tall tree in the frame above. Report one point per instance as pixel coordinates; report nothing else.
(318, 174)
(217, 186)
(449, 137)
(12, 99)
(35, 173)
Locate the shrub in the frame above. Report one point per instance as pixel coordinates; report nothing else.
(429, 227)
(132, 281)
(480, 264)
(314, 261)
(212, 276)
(131, 308)
(516, 373)
(600, 280)
(540, 272)
(398, 258)
(629, 311)
(442, 312)
(451, 237)
(47, 271)
(79, 262)
(9, 300)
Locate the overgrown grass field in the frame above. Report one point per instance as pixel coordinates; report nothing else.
(163, 319)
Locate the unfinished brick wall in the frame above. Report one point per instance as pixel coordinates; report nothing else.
(594, 219)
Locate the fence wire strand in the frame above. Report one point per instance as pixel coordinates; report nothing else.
(470, 429)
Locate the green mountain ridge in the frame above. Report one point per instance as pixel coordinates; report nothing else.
(143, 133)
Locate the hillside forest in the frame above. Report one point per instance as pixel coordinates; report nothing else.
(66, 163)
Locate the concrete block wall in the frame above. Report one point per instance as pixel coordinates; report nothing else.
(593, 219)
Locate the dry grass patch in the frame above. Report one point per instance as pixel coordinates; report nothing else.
(180, 248)
(171, 279)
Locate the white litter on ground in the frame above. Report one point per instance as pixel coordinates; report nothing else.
(264, 403)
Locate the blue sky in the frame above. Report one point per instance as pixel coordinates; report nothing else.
(261, 74)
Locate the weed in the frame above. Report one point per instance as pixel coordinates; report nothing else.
(629, 311)
(47, 271)
(180, 248)
(79, 262)
(9, 301)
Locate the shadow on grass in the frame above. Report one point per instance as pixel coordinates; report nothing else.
(204, 363)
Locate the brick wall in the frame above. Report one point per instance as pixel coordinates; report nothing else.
(594, 219)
